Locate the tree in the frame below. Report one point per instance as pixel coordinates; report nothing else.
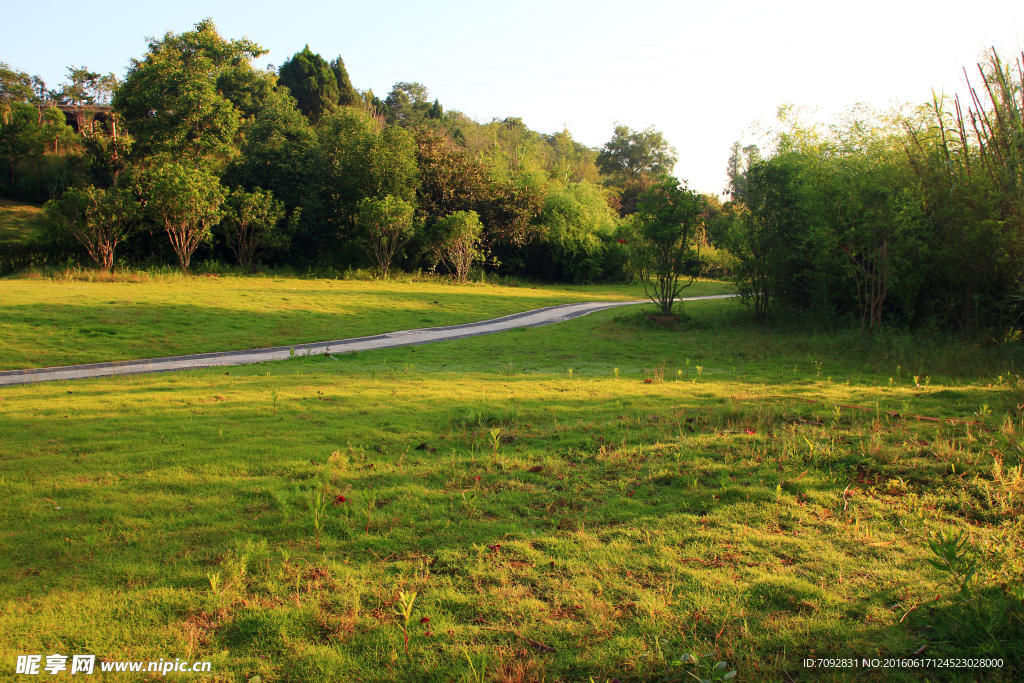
(98, 219)
(85, 87)
(407, 104)
(312, 83)
(186, 200)
(387, 226)
(762, 234)
(251, 223)
(576, 223)
(19, 134)
(450, 180)
(740, 161)
(16, 87)
(634, 153)
(347, 95)
(360, 158)
(456, 241)
(54, 128)
(170, 99)
(667, 223)
(107, 153)
(281, 154)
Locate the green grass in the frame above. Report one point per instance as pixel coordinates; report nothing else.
(20, 222)
(729, 510)
(46, 322)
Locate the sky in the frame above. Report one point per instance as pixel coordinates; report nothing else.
(703, 73)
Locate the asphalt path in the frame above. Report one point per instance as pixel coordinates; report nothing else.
(426, 335)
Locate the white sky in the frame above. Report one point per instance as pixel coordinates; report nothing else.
(699, 72)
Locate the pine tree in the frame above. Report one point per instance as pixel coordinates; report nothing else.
(312, 83)
(436, 112)
(347, 95)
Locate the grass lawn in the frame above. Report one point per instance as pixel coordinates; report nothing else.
(44, 323)
(559, 516)
(20, 222)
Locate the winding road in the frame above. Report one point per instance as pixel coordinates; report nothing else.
(426, 335)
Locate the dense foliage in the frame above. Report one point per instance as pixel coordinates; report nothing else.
(909, 217)
(322, 159)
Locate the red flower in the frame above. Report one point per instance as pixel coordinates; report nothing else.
(648, 381)
(496, 547)
(476, 478)
(748, 430)
(340, 499)
(425, 620)
(623, 242)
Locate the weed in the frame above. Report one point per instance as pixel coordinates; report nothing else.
(371, 502)
(955, 556)
(496, 439)
(273, 397)
(317, 504)
(469, 504)
(477, 676)
(706, 668)
(404, 610)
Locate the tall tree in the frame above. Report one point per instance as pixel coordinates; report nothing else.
(361, 158)
(633, 153)
(763, 235)
(170, 100)
(85, 87)
(312, 83)
(16, 87)
(740, 160)
(347, 95)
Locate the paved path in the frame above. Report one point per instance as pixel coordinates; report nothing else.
(534, 318)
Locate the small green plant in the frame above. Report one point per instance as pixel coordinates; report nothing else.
(700, 371)
(496, 439)
(616, 370)
(291, 352)
(570, 373)
(404, 610)
(955, 556)
(706, 668)
(214, 581)
(477, 676)
(371, 503)
(273, 397)
(837, 412)
(317, 505)
(508, 369)
(469, 504)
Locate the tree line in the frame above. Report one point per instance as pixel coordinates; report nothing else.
(910, 217)
(203, 153)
